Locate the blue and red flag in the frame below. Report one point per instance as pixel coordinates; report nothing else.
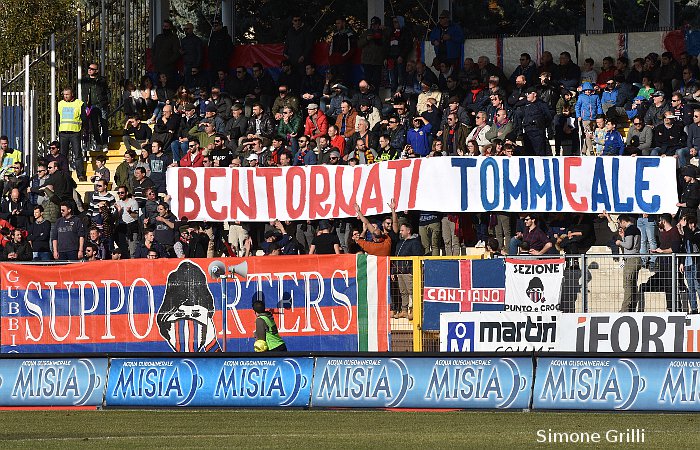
(461, 286)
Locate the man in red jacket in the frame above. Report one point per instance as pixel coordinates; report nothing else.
(317, 123)
(194, 157)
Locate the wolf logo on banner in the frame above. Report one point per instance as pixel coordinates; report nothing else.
(533, 286)
(461, 286)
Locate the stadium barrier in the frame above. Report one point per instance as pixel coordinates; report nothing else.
(537, 381)
(322, 303)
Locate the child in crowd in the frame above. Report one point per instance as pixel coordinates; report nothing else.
(599, 135)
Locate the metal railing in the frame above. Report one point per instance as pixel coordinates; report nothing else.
(593, 283)
(112, 33)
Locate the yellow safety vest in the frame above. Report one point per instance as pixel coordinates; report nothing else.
(70, 115)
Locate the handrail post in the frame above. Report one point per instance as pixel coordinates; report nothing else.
(103, 36)
(674, 283)
(78, 55)
(1, 104)
(584, 283)
(26, 116)
(52, 113)
(127, 41)
(417, 270)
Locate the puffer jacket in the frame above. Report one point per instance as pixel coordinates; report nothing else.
(588, 106)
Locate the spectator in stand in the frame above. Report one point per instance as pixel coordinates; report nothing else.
(58, 183)
(192, 51)
(220, 47)
(15, 210)
(141, 183)
(96, 96)
(101, 245)
(478, 133)
(670, 72)
(36, 197)
(260, 125)
(163, 225)
(17, 249)
(657, 111)
(263, 87)
(298, 44)
(396, 132)
(166, 127)
(193, 158)
(588, 107)
(418, 137)
(159, 163)
(166, 50)
(409, 244)
(670, 139)
(644, 136)
(689, 199)
(454, 136)
(333, 97)
(127, 230)
(284, 100)
(136, 134)
(569, 73)
(204, 133)
(149, 244)
(72, 115)
(345, 122)
(682, 111)
(325, 242)
(340, 51)
(501, 128)
(39, 236)
(305, 156)
(690, 233)
(447, 39)
(68, 235)
(373, 42)
(588, 72)
(55, 155)
(380, 243)
(527, 68)
(400, 42)
(100, 208)
(629, 243)
(491, 74)
(614, 145)
(538, 243)
(670, 241)
(607, 72)
(316, 124)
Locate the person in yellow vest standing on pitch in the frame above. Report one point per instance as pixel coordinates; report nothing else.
(71, 113)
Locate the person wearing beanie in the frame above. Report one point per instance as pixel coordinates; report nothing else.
(267, 338)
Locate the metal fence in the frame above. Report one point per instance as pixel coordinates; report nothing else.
(592, 283)
(115, 34)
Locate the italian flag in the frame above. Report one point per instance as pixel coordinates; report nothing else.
(373, 301)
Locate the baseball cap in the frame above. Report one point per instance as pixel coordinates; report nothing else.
(312, 106)
(334, 153)
(211, 108)
(324, 225)
(658, 94)
(252, 157)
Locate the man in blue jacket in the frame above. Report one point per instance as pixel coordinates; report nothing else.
(614, 145)
(448, 39)
(418, 137)
(588, 106)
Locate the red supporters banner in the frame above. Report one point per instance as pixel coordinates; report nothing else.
(320, 303)
(445, 184)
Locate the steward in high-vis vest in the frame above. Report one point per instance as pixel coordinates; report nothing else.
(71, 114)
(266, 336)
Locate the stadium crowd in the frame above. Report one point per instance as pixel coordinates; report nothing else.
(396, 108)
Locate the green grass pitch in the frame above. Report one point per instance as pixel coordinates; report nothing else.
(300, 429)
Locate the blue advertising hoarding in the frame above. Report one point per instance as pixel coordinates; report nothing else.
(52, 382)
(210, 382)
(623, 384)
(468, 383)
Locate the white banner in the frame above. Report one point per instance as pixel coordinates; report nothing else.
(498, 331)
(445, 184)
(629, 333)
(533, 285)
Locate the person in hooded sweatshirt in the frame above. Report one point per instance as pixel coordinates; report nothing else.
(588, 107)
(267, 338)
